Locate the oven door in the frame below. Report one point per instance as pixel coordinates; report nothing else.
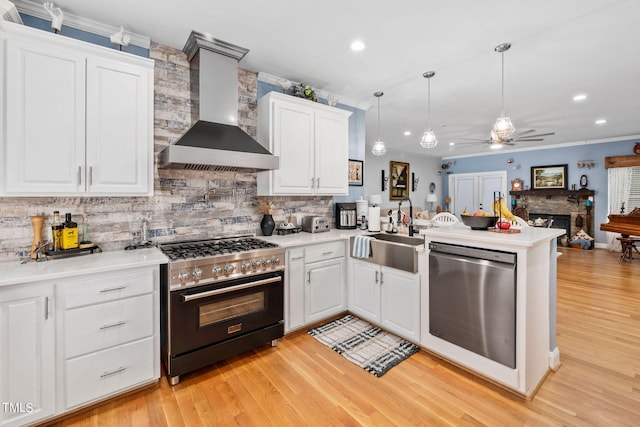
(210, 314)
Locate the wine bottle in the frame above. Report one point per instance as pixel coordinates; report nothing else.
(69, 233)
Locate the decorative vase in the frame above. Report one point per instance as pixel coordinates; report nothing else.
(36, 222)
(564, 241)
(267, 225)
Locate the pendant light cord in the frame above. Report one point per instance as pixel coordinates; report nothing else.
(502, 53)
(378, 118)
(429, 104)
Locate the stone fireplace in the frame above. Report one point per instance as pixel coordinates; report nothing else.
(563, 205)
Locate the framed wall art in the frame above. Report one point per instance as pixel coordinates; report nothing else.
(356, 172)
(399, 176)
(547, 177)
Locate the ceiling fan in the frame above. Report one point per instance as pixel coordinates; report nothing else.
(524, 136)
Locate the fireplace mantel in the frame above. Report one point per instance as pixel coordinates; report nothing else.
(583, 194)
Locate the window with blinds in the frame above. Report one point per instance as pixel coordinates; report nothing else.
(634, 193)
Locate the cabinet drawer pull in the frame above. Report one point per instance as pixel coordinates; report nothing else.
(309, 277)
(297, 258)
(119, 288)
(115, 371)
(79, 175)
(377, 279)
(327, 253)
(90, 175)
(381, 278)
(112, 325)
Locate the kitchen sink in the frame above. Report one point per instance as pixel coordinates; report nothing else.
(393, 250)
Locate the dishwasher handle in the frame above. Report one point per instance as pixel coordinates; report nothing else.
(470, 252)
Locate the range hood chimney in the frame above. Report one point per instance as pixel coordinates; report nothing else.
(214, 141)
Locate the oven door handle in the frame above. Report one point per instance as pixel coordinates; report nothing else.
(187, 298)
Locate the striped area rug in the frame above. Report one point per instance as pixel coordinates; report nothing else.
(365, 345)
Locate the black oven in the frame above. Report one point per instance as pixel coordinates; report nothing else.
(208, 323)
(214, 313)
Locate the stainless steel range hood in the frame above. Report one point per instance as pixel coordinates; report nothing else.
(214, 141)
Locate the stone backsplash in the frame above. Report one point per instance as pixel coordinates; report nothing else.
(179, 208)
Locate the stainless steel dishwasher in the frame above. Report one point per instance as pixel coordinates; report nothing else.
(472, 300)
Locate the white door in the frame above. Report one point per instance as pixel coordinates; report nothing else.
(364, 290)
(27, 362)
(470, 190)
(325, 289)
(331, 153)
(119, 127)
(400, 300)
(45, 112)
(294, 290)
(293, 135)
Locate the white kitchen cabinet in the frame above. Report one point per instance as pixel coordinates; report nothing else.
(325, 289)
(294, 290)
(316, 283)
(388, 297)
(108, 335)
(312, 142)
(78, 118)
(27, 354)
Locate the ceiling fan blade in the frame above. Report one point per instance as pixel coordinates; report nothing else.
(539, 134)
(529, 140)
(525, 131)
(473, 139)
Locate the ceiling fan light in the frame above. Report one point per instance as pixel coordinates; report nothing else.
(378, 148)
(503, 128)
(429, 139)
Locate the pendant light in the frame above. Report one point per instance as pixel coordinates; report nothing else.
(378, 147)
(503, 128)
(429, 139)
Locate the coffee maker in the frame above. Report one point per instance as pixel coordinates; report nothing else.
(346, 216)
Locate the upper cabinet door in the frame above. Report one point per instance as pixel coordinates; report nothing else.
(119, 127)
(331, 153)
(312, 141)
(45, 121)
(293, 142)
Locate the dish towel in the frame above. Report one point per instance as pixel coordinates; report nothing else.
(362, 246)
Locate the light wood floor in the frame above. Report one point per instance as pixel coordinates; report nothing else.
(301, 382)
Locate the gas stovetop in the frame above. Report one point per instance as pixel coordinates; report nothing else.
(199, 262)
(206, 248)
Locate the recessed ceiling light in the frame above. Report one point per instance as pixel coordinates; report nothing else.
(407, 133)
(357, 46)
(580, 97)
(601, 121)
(452, 143)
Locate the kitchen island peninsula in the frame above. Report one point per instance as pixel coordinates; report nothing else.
(489, 302)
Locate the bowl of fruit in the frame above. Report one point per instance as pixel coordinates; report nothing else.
(479, 220)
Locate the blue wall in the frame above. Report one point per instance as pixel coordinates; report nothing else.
(524, 160)
(356, 136)
(74, 33)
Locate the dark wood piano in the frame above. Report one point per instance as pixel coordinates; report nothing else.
(627, 225)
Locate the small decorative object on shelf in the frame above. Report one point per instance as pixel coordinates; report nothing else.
(305, 91)
(636, 148)
(516, 185)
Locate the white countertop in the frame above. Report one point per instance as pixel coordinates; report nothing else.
(528, 237)
(13, 272)
(302, 238)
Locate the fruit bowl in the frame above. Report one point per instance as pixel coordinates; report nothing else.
(479, 222)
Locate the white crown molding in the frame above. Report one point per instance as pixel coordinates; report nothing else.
(547, 147)
(33, 8)
(270, 78)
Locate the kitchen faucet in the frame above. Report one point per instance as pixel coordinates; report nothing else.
(410, 214)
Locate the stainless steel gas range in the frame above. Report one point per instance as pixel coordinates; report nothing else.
(219, 297)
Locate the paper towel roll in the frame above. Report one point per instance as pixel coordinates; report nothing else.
(374, 218)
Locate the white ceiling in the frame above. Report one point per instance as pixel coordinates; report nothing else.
(559, 49)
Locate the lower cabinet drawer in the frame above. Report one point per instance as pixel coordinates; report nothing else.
(323, 251)
(95, 327)
(99, 374)
(107, 287)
